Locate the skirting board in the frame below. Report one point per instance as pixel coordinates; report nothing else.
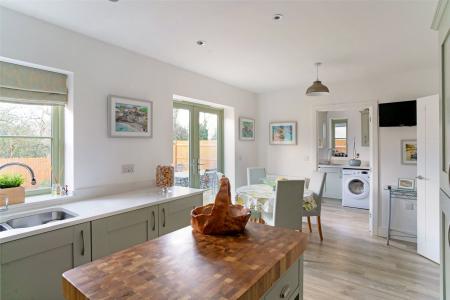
(382, 232)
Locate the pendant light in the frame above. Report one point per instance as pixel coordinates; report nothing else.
(317, 88)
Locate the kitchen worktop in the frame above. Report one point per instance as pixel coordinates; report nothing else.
(95, 208)
(187, 265)
(343, 166)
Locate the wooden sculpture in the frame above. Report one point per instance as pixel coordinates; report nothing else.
(221, 217)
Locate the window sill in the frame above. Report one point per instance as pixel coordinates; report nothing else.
(45, 197)
(39, 201)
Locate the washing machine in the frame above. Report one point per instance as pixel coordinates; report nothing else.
(356, 188)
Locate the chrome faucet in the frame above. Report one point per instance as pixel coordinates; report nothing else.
(33, 178)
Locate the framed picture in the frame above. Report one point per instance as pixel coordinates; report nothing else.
(129, 117)
(283, 133)
(246, 129)
(409, 152)
(406, 184)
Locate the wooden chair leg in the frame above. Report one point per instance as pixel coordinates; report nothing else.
(319, 225)
(309, 224)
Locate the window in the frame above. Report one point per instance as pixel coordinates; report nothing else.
(31, 134)
(32, 102)
(339, 137)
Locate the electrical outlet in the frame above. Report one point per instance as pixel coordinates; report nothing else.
(128, 168)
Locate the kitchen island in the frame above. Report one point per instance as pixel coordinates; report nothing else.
(264, 262)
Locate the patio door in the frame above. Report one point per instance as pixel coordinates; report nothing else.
(198, 146)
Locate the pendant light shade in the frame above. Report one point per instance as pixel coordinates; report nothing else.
(317, 88)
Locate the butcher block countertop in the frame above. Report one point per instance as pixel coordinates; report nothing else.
(188, 265)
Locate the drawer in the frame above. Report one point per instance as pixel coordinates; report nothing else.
(287, 286)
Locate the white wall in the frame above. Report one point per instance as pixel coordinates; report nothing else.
(292, 104)
(101, 69)
(391, 169)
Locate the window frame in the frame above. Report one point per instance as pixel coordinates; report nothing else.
(57, 148)
(334, 122)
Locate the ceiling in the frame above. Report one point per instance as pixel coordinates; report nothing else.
(246, 48)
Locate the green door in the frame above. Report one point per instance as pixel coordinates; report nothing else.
(198, 146)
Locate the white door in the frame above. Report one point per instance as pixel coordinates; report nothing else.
(428, 177)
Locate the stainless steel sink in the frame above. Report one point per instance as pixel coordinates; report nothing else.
(38, 219)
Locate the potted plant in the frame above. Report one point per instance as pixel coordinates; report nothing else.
(11, 186)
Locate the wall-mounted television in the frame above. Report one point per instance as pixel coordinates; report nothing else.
(397, 114)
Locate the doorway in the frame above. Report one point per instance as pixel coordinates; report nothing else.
(198, 146)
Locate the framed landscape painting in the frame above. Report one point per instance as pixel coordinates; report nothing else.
(409, 152)
(129, 117)
(283, 133)
(246, 129)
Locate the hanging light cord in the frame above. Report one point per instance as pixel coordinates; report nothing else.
(317, 71)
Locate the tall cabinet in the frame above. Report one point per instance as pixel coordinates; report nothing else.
(441, 23)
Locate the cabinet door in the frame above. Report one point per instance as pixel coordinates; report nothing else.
(119, 232)
(445, 107)
(365, 128)
(445, 246)
(82, 243)
(333, 183)
(177, 214)
(31, 268)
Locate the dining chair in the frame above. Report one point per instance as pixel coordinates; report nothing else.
(255, 175)
(288, 207)
(316, 185)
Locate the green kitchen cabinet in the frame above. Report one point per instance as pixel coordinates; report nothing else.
(365, 128)
(445, 246)
(441, 23)
(31, 267)
(118, 232)
(176, 214)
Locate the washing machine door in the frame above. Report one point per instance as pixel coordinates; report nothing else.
(357, 187)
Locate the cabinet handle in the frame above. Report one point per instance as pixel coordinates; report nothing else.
(448, 173)
(285, 292)
(154, 220)
(164, 217)
(448, 235)
(82, 242)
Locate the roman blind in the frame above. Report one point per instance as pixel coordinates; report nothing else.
(21, 84)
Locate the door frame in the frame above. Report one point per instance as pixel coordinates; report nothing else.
(194, 149)
(373, 139)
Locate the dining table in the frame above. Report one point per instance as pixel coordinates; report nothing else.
(260, 199)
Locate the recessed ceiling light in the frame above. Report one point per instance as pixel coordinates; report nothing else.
(277, 17)
(114, 0)
(201, 43)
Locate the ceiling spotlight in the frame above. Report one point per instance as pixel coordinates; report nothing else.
(201, 43)
(277, 17)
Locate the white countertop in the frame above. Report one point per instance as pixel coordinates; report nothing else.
(95, 208)
(344, 166)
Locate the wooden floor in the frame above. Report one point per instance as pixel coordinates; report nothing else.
(350, 264)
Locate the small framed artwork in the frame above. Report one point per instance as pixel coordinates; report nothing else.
(129, 117)
(283, 133)
(409, 152)
(406, 184)
(246, 129)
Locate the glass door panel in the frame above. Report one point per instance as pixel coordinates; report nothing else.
(208, 152)
(446, 113)
(181, 145)
(198, 147)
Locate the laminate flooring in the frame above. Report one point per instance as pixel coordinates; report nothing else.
(351, 264)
